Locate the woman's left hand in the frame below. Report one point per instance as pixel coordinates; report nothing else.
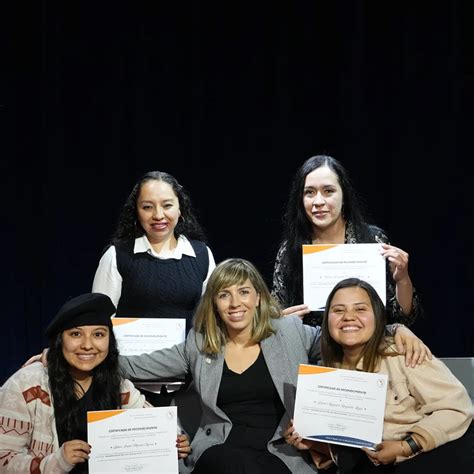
(386, 452)
(397, 260)
(183, 445)
(412, 346)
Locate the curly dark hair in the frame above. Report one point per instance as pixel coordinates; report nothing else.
(106, 386)
(129, 228)
(297, 229)
(332, 352)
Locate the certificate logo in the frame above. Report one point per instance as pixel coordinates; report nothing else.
(380, 383)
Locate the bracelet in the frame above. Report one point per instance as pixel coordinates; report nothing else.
(413, 444)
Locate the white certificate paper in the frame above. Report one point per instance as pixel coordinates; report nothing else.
(340, 406)
(138, 335)
(326, 265)
(135, 440)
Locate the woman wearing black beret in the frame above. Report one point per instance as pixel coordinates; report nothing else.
(43, 410)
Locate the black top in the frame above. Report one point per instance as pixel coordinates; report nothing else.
(252, 403)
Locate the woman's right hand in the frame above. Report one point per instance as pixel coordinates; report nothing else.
(76, 451)
(300, 310)
(293, 438)
(38, 357)
(184, 446)
(319, 452)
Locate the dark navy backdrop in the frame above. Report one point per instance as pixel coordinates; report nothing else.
(231, 101)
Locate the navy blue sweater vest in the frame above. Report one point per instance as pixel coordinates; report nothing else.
(156, 288)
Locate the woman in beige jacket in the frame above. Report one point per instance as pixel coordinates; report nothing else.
(428, 412)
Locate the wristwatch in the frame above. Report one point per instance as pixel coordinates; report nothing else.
(413, 444)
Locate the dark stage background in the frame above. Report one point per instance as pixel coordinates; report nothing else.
(231, 101)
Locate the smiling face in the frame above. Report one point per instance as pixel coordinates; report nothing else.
(236, 305)
(84, 348)
(351, 320)
(158, 210)
(322, 198)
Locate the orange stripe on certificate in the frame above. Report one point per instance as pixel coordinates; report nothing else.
(306, 369)
(101, 415)
(307, 249)
(119, 321)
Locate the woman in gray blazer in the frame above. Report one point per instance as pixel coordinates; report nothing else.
(244, 358)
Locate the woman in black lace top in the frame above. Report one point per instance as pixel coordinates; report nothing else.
(323, 208)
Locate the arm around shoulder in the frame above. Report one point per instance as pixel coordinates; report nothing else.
(160, 364)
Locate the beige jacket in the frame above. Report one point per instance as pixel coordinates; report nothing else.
(427, 400)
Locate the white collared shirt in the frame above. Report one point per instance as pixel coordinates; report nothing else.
(108, 280)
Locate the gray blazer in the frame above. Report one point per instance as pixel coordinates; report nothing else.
(292, 344)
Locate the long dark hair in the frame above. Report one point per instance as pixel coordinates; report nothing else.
(129, 228)
(106, 385)
(332, 352)
(297, 230)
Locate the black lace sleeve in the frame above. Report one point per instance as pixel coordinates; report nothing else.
(395, 312)
(279, 290)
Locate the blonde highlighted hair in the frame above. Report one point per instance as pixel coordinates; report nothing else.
(207, 321)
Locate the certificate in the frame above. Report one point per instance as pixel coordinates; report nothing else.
(340, 406)
(134, 440)
(326, 265)
(138, 335)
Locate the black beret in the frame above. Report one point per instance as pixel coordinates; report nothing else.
(83, 310)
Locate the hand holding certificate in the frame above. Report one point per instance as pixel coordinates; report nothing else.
(134, 440)
(326, 265)
(340, 406)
